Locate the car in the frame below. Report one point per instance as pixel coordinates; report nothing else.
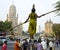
(2, 39)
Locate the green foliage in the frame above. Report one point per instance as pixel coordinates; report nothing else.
(1, 26)
(57, 6)
(56, 29)
(5, 25)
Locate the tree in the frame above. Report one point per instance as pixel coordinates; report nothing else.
(57, 6)
(5, 26)
(1, 26)
(56, 29)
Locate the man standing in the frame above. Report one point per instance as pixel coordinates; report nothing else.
(44, 44)
(39, 45)
(25, 45)
(51, 45)
(16, 45)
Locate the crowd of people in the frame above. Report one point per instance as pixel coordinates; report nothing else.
(37, 44)
(32, 44)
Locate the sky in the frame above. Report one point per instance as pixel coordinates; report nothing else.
(23, 9)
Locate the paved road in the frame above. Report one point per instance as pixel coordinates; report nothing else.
(57, 48)
(10, 45)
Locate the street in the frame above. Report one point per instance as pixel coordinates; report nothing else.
(10, 45)
(57, 48)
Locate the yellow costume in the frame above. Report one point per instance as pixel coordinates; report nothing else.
(32, 24)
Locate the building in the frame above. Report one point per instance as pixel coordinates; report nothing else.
(13, 17)
(48, 27)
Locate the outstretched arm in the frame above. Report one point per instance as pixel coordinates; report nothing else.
(26, 20)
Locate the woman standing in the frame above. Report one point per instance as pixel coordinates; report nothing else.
(4, 46)
(33, 21)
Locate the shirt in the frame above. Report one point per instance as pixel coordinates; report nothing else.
(4, 47)
(39, 46)
(25, 45)
(16, 46)
(44, 44)
(50, 44)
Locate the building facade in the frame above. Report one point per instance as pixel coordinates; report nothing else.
(13, 17)
(48, 27)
